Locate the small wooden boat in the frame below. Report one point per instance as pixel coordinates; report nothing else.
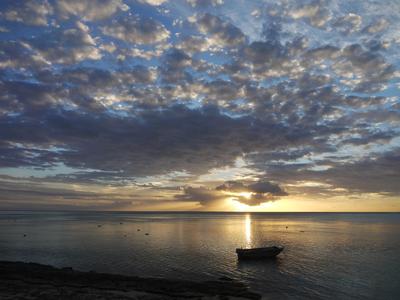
(257, 253)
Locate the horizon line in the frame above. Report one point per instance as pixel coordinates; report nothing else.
(193, 211)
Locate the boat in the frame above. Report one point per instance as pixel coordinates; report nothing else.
(258, 253)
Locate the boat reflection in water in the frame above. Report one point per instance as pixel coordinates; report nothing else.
(255, 253)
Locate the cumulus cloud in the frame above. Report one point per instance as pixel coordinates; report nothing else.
(31, 12)
(204, 3)
(90, 10)
(369, 70)
(136, 30)
(153, 2)
(66, 46)
(349, 23)
(315, 13)
(218, 31)
(377, 26)
(193, 44)
(19, 54)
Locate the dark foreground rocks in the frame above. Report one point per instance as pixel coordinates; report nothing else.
(20, 280)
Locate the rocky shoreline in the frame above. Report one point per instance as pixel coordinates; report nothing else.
(19, 280)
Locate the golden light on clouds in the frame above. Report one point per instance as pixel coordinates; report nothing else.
(241, 207)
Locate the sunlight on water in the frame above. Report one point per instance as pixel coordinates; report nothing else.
(248, 230)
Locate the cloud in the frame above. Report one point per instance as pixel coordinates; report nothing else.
(193, 44)
(266, 188)
(66, 46)
(348, 23)
(207, 140)
(19, 54)
(205, 3)
(136, 30)
(257, 193)
(154, 2)
(25, 194)
(375, 174)
(30, 12)
(202, 195)
(370, 69)
(377, 26)
(89, 10)
(260, 192)
(315, 13)
(174, 64)
(219, 32)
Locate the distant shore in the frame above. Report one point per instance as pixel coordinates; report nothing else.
(19, 280)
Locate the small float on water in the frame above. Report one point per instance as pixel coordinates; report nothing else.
(259, 253)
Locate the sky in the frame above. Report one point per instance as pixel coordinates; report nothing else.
(209, 105)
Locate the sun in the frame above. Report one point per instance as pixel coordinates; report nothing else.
(238, 206)
(241, 207)
(246, 195)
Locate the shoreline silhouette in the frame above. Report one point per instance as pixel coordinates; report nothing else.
(31, 280)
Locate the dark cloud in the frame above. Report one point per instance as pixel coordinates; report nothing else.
(377, 26)
(202, 195)
(258, 192)
(24, 194)
(204, 3)
(66, 46)
(378, 174)
(136, 30)
(219, 32)
(181, 139)
(370, 67)
(30, 12)
(18, 54)
(261, 187)
(348, 23)
(173, 69)
(193, 44)
(375, 174)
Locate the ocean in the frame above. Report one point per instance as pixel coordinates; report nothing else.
(326, 255)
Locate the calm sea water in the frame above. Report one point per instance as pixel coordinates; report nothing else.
(326, 256)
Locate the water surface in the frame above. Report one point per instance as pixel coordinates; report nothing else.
(326, 256)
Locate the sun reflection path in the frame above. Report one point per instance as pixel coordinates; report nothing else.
(247, 227)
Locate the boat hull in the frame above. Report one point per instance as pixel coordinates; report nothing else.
(258, 253)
